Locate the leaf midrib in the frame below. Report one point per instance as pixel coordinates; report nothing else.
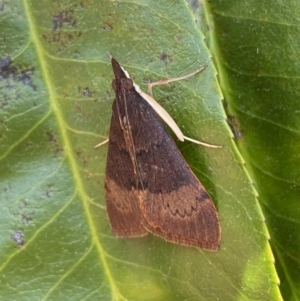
(67, 147)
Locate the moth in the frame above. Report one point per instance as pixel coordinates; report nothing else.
(149, 186)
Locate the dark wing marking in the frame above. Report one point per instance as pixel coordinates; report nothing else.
(173, 203)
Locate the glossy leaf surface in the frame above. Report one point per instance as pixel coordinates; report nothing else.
(56, 96)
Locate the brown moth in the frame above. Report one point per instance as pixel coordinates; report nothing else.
(149, 186)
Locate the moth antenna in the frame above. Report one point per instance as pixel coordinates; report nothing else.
(101, 143)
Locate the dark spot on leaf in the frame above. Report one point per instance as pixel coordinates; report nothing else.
(235, 126)
(64, 17)
(18, 237)
(5, 62)
(49, 190)
(80, 154)
(107, 22)
(63, 20)
(29, 144)
(85, 91)
(195, 4)
(26, 219)
(2, 7)
(10, 73)
(59, 149)
(82, 110)
(50, 136)
(77, 106)
(165, 58)
(25, 79)
(26, 215)
(63, 38)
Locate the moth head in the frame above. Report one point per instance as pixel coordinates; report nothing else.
(127, 84)
(123, 83)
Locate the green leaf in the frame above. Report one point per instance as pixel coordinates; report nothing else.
(256, 43)
(56, 96)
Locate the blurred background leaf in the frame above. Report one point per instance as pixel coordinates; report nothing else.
(256, 47)
(56, 96)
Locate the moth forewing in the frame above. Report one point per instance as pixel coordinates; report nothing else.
(148, 184)
(164, 115)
